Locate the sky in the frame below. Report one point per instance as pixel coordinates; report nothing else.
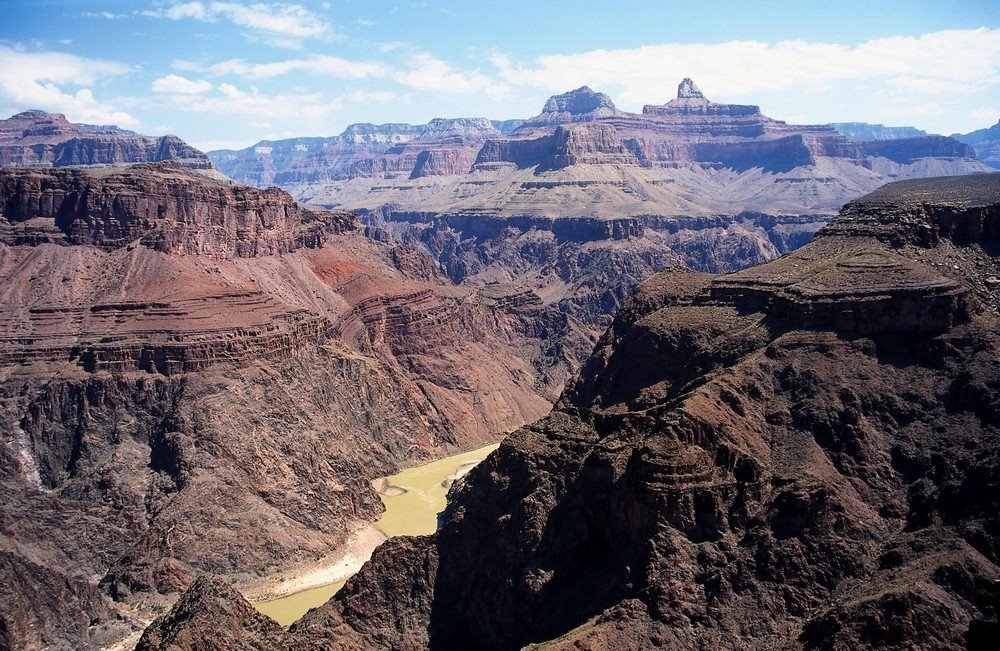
(229, 74)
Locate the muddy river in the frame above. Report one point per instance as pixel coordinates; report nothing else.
(413, 498)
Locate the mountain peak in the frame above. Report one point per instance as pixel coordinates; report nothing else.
(688, 90)
(577, 102)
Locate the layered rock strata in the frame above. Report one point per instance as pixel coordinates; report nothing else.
(200, 377)
(40, 139)
(986, 143)
(690, 161)
(798, 456)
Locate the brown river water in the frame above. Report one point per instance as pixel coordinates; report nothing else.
(413, 498)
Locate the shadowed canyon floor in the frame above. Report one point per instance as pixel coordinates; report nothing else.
(802, 455)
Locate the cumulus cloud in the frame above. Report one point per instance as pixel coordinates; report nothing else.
(944, 61)
(420, 71)
(39, 80)
(177, 85)
(283, 25)
(426, 72)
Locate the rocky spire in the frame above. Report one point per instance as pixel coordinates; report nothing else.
(688, 90)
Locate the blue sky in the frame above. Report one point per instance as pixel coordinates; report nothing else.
(227, 74)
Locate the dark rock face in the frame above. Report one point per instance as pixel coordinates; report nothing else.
(212, 615)
(802, 455)
(39, 139)
(986, 142)
(198, 377)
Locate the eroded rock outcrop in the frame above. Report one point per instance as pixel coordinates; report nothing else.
(40, 139)
(737, 466)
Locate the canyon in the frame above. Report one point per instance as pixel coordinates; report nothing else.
(584, 201)
(200, 377)
(802, 455)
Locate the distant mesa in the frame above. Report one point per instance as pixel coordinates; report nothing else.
(477, 165)
(863, 131)
(986, 142)
(39, 139)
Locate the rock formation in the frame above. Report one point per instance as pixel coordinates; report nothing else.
(714, 186)
(40, 139)
(862, 131)
(200, 377)
(986, 142)
(802, 455)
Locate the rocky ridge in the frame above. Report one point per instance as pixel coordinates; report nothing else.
(40, 139)
(801, 455)
(198, 377)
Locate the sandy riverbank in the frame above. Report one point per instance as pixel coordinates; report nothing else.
(339, 566)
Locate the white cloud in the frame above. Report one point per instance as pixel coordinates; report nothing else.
(288, 108)
(948, 60)
(283, 25)
(319, 64)
(37, 80)
(429, 73)
(104, 14)
(177, 85)
(194, 10)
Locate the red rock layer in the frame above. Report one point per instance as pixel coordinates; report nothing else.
(201, 377)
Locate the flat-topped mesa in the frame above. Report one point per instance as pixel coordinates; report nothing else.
(690, 100)
(588, 144)
(447, 147)
(163, 206)
(923, 212)
(856, 276)
(40, 139)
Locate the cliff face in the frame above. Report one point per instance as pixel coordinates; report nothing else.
(802, 455)
(39, 139)
(401, 151)
(200, 377)
(862, 131)
(161, 206)
(680, 179)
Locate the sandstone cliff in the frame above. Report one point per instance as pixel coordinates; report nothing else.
(197, 377)
(798, 456)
